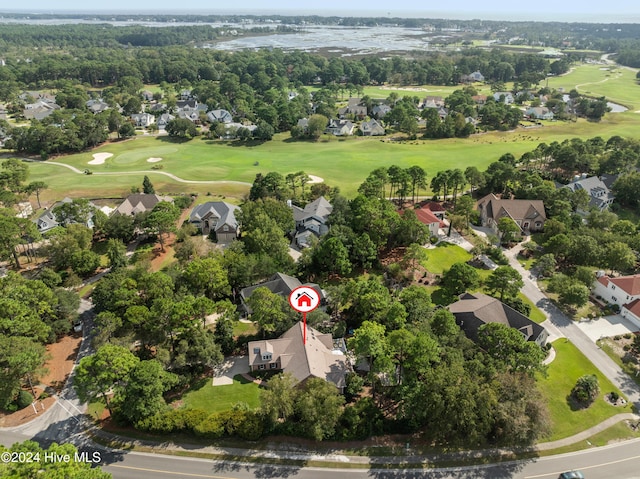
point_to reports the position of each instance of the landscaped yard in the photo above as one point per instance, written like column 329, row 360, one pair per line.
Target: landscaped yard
column 221, row 398
column 563, row 373
column 441, row 258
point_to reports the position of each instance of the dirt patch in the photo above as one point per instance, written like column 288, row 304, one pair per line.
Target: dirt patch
column 59, row 365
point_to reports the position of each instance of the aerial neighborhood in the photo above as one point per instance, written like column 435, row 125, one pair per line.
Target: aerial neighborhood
column 461, row 227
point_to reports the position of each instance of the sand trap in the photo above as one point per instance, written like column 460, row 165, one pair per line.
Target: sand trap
column 99, row 158
column 315, row 179
column 154, row 160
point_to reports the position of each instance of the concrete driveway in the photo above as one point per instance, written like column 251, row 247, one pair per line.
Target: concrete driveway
column 231, row 367
column 606, row 326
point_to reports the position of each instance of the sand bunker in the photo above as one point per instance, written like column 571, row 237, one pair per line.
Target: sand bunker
column 315, row 179
column 99, row 158
column 154, row 160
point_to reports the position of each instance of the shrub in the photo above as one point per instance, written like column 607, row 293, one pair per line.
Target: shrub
column 586, row 390
column 24, row 399
column 628, row 336
column 211, row 428
column 614, row 396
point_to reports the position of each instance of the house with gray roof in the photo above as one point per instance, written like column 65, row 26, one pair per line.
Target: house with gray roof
column 221, row 116
column 143, row 120
column 340, row 127
column 48, row 220
column 280, row 284
column 163, row 120
column 311, row 220
column 600, row 195
column 371, row 128
column 475, row 310
column 529, row 215
column 140, row 203
column 39, row 110
column 97, row 106
column 353, row 111
column 504, row 97
column 218, row 216
column 320, row 357
column 379, row 111
column 539, row 113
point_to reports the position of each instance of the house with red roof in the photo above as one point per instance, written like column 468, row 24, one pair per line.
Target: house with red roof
column 429, row 218
column 623, row 291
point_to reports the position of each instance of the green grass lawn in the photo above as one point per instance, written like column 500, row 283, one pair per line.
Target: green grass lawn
column 563, row 373
column 536, row 314
column 221, row 398
column 244, row 329
column 441, row 258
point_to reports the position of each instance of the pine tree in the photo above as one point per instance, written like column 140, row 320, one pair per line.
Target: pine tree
column 147, row 186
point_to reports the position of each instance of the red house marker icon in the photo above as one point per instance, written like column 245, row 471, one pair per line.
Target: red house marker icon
column 303, row 300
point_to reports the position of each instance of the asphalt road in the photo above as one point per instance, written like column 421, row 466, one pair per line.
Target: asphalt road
column 617, row 461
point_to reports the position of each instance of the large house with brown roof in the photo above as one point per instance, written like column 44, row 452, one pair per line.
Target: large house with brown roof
column 474, row 310
column 529, row 215
column 139, row 203
column 623, row 291
column 321, row 356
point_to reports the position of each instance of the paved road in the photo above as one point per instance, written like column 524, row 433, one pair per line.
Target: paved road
column 559, row 325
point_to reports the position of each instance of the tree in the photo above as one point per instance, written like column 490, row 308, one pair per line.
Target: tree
column 223, row 334
column 119, row 227
column 36, row 187
column 504, row 281
column 147, row 186
column 546, row 264
column 278, row 400
column 369, row 343
column 142, row 394
column 108, row 369
column 264, row 131
column 586, row 390
column 126, row 130
column 619, row 256
column 10, row 237
column 162, row 220
column 363, row 251
column 316, row 125
column 207, row 276
column 331, row 257
column 181, row 128
column 575, row 294
column 318, row 409
column 508, row 230
column 459, row 278
column 465, row 207
column 508, row 347
column 270, row 311
column 20, row 357
column 116, row 253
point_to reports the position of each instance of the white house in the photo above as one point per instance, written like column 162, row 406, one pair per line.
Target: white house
column 504, row 96
column 143, row 120
column 623, row 291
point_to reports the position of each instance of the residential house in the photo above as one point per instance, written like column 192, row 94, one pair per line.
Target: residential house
column 304, row 124
column 359, row 112
column 319, row 357
column 623, row 291
column 371, row 128
column 186, row 95
column 473, row 77
column 163, row 120
column 146, row 95
column 475, row 310
column 529, row 215
column 24, row 209
column 280, row 284
column 157, row 108
column 291, row 95
column 479, row 99
column 311, row 220
column 140, row 203
column 340, row 127
column 379, row 111
column 221, row 116
column 504, row 96
column 539, row 113
column 599, row 194
column 218, row 216
column 187, row 105
column 39, row 110
column 97, row 106
column 47, row 220
column 143, row 120
column 432, row 102
column 430, row 220
column 436, row 208
column 192, row 116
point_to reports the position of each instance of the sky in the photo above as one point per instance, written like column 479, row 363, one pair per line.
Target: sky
column 566, row 10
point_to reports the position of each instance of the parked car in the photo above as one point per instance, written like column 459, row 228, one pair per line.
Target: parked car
column 571, row 475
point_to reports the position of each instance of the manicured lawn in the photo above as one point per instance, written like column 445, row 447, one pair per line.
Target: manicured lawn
column 441, row 258
column 244, row 329
column 221, row 398
column 535, row 314
column 563, row 373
